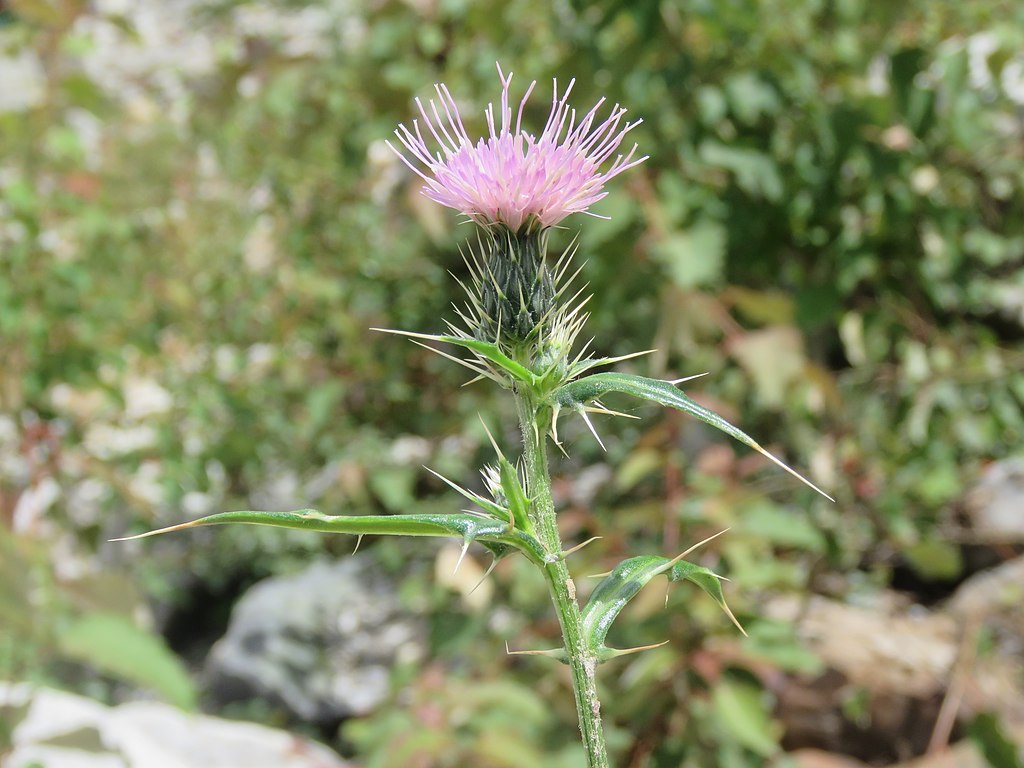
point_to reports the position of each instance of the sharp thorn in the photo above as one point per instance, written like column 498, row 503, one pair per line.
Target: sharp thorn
column 465, row 363
column 168, row 529
column 699, row 544
column 553, row 653
column 616, row 652
column 609, row 412
column 578, row 547
column 729, row 613
column 462, row 556
column 490, row 437
column 791, row 471
column 676, row 382
column 593, row 431
column 474, row 497
column 483, row 578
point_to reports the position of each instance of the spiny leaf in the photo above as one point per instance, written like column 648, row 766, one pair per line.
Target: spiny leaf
column 495, row 509
column 577, row 393
column 511, row 487
column 615, row 591
column 518, row 503
column 496, row 535
column 483, row 349
column 708, row 581
column 627, row 579
column 581, row 366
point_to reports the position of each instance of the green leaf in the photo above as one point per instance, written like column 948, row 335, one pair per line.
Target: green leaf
column 741, row 711
column 755, row 172
column 626, row 580
column 774, row 357
column 518, row 502
column 763, row 307
column 114, row 645
column 778, row 643
column 694, row 257
column 615, row 591
column 751, row 97
column 484, row 350
column 707, row 580
column 935, row 560
column 999, row 751
column 393, row 486
column 767, row 522
column 496, row 535
column 576, row 394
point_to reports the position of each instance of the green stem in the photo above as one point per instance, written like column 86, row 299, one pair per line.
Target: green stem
column 581, row 658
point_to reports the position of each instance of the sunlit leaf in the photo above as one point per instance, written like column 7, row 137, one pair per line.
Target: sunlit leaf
column 576, row 394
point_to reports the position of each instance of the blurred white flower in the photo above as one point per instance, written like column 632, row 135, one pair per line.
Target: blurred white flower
column 84, row 503
column 21, row 82
column 33, row 503
column 163, row 49
column 89, row 130
column 384, row 169
column 145, row 484
column 226, row 362
column 1013, row 80
column 259, row 251
column 924, row 179
column 106, row 441
column 82, row 404
column 195, row 503
column 410, row 449
column 979, row 48
column 260, row 358
column 248, row 85
column 145, row 398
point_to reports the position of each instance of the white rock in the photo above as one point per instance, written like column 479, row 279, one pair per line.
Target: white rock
column 63, row 730
column 996, row 504
column 320, row 643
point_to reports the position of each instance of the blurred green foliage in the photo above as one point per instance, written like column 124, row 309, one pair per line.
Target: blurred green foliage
column 199, row 224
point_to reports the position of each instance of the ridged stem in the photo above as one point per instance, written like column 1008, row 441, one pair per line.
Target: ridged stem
column 581, row 658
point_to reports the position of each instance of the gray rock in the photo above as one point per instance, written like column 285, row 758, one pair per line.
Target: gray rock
column 60, row 730
column 996, row 504
column 320, row 643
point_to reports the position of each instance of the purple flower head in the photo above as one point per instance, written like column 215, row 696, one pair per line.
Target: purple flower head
column 512, row 177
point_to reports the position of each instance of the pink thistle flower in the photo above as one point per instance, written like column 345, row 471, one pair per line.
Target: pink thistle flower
column 512, row 177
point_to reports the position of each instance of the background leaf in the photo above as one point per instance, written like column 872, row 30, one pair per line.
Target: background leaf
column 741, row 712
column 114, row 645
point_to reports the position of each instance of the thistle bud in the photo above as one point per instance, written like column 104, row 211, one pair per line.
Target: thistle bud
column 517, row 290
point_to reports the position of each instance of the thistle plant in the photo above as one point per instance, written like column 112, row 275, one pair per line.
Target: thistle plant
column 519, row 328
